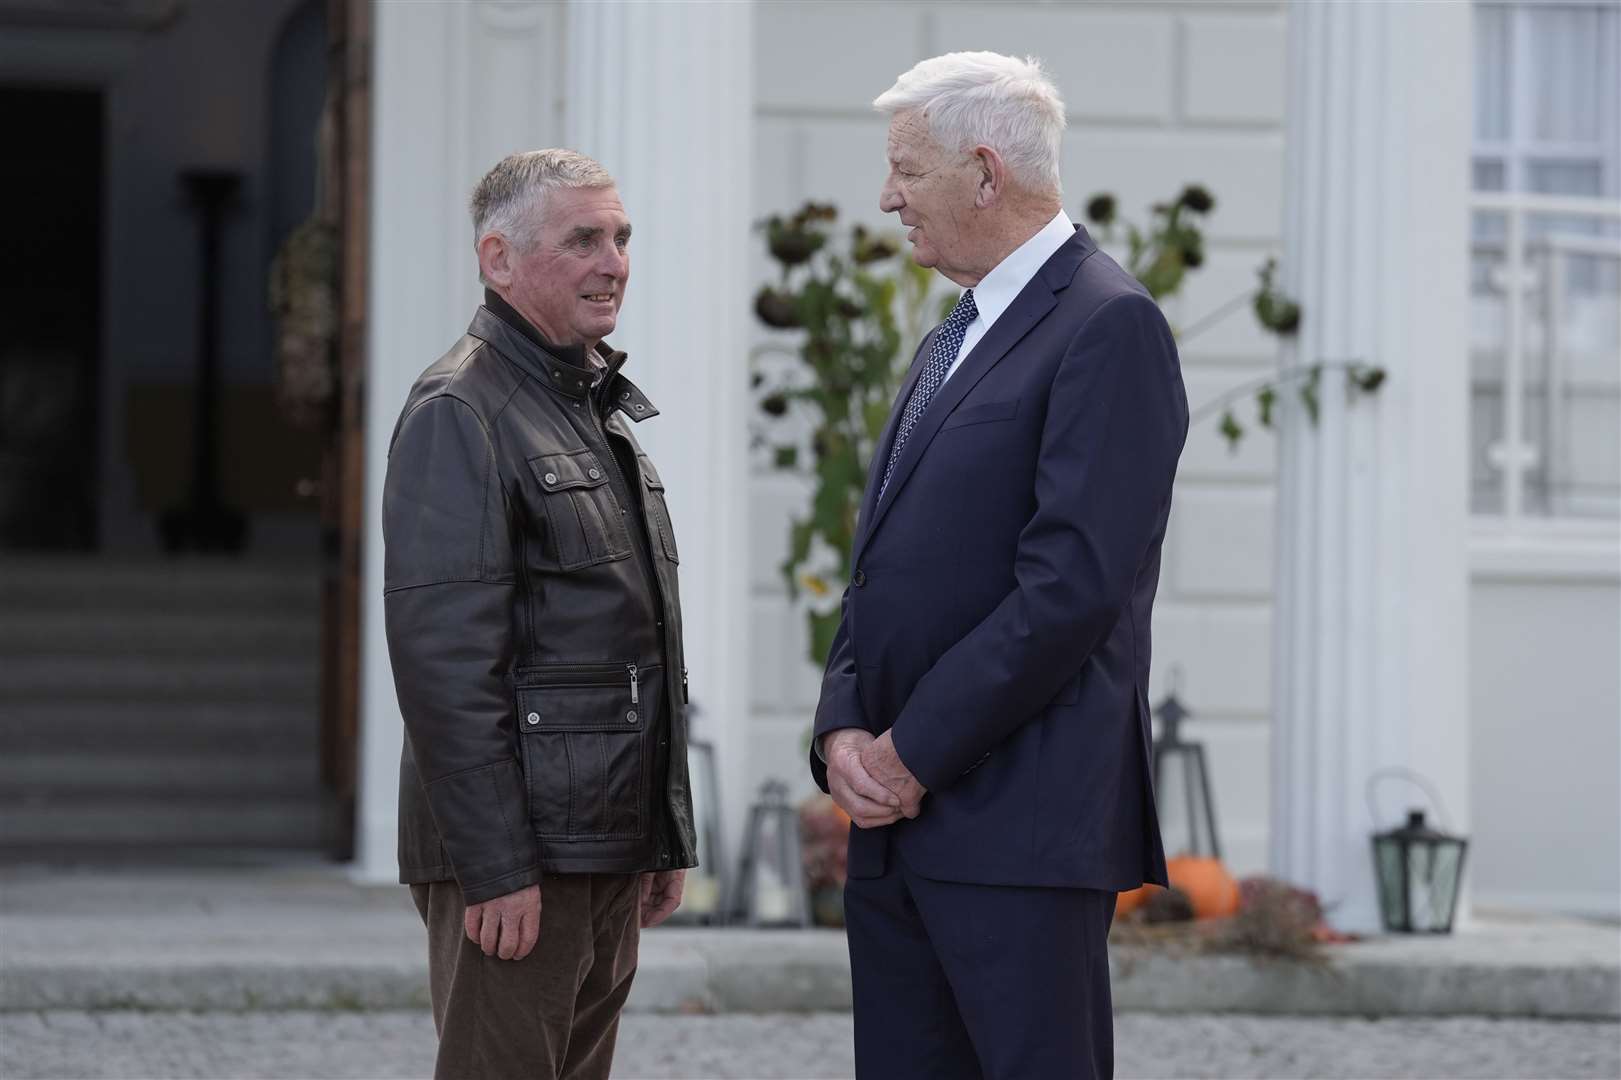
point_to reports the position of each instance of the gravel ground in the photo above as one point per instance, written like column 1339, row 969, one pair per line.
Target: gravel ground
column 400, row 1044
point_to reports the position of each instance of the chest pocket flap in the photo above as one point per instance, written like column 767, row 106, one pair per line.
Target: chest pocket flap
column 657, row 508
column 586, row 524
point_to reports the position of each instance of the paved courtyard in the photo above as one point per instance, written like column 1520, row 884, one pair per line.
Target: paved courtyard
column 400, row 1044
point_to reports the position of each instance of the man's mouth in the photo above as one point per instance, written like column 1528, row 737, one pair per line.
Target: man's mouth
column 599, row 298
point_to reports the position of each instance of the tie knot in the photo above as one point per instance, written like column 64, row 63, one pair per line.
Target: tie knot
column 965, row 312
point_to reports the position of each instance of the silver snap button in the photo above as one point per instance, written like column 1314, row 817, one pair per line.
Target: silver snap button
column 625, row 396
column 631, row 716
column 557, row 374
column 595, row 474
column 640, row 408
column 533, row 718
column 551, row 478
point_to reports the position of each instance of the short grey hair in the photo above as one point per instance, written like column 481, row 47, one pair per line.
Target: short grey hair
column 975, row 98
column 508, row 200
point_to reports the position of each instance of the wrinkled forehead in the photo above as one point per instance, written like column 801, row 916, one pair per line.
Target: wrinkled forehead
column 910, row 138
column 571, row 208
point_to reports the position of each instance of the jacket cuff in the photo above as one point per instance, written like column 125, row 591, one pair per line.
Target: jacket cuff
column 501, row 886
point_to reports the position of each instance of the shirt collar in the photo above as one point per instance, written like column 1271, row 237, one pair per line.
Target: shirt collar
column 998, row 289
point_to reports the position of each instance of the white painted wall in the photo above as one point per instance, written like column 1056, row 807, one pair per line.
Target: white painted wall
column 1545, row 745
column 1159, row 95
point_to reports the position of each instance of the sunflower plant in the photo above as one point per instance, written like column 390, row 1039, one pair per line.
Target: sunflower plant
column 844, row 301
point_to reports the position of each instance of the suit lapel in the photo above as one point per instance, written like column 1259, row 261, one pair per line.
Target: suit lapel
column 1031, row 306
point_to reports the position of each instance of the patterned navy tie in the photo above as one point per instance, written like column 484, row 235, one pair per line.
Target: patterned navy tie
column 941, row 355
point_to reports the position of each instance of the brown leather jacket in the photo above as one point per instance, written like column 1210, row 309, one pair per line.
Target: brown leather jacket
column 533, row 621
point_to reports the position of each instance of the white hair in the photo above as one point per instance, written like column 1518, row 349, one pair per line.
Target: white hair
column 984, row 98
column 509, row 198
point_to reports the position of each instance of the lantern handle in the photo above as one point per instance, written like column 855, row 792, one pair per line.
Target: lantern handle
column 1396, row 772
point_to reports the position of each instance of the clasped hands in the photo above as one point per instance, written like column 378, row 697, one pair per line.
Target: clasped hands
column 868, row 779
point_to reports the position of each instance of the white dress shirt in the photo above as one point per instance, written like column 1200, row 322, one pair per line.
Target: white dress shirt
column 997, row 290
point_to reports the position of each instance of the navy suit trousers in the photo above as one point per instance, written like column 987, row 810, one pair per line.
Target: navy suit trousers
column 954, row 980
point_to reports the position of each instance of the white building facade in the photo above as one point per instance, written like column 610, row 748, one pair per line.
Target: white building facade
column 1427, row 579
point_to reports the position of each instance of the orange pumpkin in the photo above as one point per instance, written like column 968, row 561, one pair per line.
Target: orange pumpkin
column 1207, row 884
column 1127, row 902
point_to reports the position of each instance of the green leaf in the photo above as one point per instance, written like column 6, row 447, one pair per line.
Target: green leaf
column 1265, row 399
column 785, row 457
column 1367, row 380
column 1308, row 393
column 1231, row 430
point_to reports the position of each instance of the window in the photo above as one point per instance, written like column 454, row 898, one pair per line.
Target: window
column 1545, row 335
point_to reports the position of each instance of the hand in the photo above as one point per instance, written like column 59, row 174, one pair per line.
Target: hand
column 884, row 765
column 507, row 926
column 661, row 895
column 868, row 802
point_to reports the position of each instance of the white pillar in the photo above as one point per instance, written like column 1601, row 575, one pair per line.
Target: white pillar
column 1371, row 629
column 661, row 95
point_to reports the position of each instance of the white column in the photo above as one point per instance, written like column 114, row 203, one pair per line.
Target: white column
column 1371, row 630
column 661, row 95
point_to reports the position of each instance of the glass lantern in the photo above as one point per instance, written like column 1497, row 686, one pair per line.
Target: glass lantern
column 1418, row 870
column 1182, row 785
column 771, row 878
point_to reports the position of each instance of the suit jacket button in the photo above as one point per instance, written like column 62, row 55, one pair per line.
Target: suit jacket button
column 860, row 579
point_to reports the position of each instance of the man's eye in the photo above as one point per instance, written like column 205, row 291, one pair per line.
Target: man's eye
column 622, row 241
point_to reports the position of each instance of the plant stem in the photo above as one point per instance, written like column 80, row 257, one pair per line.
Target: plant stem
column 1275, row 378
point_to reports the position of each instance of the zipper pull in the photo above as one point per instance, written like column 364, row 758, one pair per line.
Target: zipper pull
column 635, row 690
column 684, row 698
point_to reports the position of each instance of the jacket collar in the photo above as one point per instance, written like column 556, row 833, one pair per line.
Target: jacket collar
column 561, row 369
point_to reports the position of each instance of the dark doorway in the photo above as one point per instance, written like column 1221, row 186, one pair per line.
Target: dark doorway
column 50, row 318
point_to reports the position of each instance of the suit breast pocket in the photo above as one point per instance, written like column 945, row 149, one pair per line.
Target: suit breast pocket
column 986, row 412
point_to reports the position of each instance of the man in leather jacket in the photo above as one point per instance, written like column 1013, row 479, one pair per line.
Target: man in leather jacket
column 534, row 626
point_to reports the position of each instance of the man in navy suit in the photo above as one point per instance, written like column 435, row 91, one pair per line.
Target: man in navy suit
column 983, row 717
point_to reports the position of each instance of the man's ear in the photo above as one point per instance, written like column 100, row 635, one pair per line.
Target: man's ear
column 495, row 259
column 991, row 177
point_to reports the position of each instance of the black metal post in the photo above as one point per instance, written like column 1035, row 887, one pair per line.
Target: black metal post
column 204, row 522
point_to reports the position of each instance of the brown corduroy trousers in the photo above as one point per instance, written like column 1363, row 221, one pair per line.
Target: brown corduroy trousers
column 553, row 1015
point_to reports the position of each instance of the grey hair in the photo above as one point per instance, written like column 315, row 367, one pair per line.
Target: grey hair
column 507, row 201
column 985, row 98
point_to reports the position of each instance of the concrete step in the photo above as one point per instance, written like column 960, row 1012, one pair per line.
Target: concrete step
column 304, row 937
column 50, row 830
column 113, row 678
column 192, row 584
column 200, row 725
column 69, row 775
column 187, row 635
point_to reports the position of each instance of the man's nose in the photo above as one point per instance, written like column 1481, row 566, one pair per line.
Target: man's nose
column 613, row 262
column 889, row 198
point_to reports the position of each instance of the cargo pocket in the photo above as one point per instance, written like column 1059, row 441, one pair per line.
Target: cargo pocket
column 580, row 730
column 657, row 508
column 585, row 524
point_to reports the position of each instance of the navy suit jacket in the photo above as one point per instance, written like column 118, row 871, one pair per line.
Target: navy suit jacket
column 997, row 619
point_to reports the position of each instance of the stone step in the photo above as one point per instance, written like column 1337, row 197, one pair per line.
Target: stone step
column 73, row 774
column 167, row 679
column 198, row 725
column 192, row 584
column 188, row 635
column 33, row 830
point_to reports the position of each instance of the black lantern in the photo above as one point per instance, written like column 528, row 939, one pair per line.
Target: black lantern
column 1419, row 870
column 771, row 878
column 1182, row 783
column 704, row 895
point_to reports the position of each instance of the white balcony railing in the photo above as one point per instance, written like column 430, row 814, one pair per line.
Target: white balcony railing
column 1545, row 361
